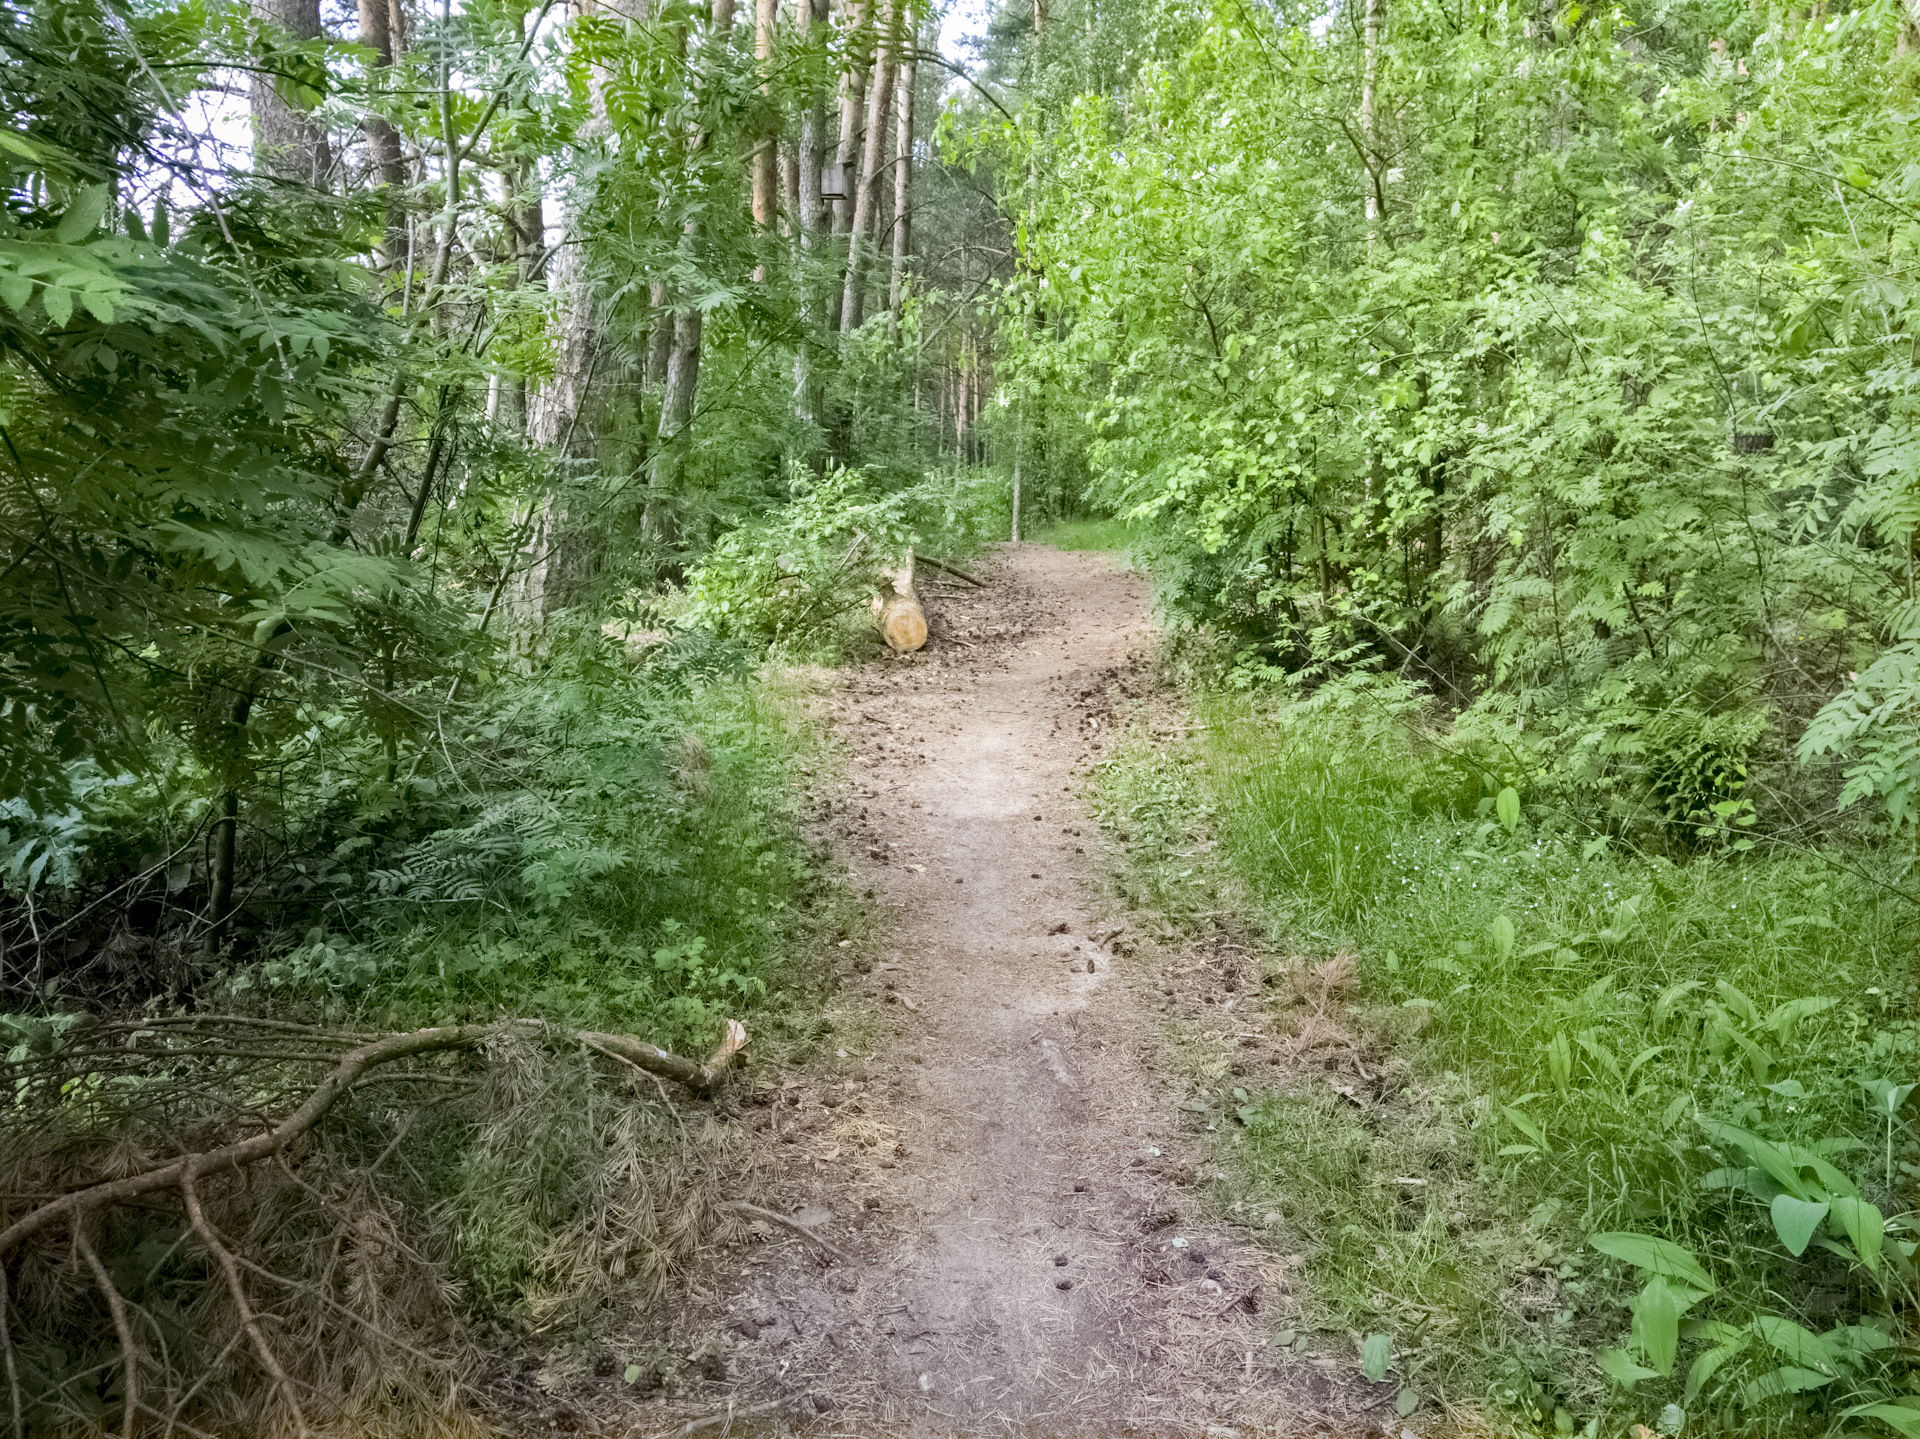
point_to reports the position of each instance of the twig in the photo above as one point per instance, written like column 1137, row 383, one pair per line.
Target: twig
column 798, row 1228
column 953, row 570
column 129, row 1354
column 6, row 1348
column 729, row 1414
column 238, row 1292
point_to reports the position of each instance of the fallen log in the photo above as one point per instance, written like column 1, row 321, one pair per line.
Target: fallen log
column 896, row 607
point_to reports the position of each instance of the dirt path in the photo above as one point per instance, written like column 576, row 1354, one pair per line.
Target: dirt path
column 1006, row 1179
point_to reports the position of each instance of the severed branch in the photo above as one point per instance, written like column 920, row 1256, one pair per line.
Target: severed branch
column 76, row 1209
column 700, row 1078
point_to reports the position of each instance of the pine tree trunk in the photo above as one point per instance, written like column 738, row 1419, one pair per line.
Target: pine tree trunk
column 286, row 141
column 872, row 172
column 853, row 98
column 766, row 173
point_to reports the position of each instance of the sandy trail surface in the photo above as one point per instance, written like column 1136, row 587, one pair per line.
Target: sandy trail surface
column 1019, row 1243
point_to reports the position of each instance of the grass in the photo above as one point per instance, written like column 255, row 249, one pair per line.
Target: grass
column 1546, row 1026
column 1085, row 534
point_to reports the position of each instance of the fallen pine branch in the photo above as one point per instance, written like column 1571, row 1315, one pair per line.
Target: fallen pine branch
column 78, row 1209
column 75, row 1205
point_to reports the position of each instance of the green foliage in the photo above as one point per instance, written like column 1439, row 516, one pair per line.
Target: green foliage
column 794, row 577
column 1576, row 384
column 1647, row 1101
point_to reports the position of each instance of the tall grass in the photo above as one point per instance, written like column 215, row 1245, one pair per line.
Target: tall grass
column 1557, row 1016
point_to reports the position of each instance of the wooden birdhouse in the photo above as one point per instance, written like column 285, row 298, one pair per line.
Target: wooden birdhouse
column 833, row 182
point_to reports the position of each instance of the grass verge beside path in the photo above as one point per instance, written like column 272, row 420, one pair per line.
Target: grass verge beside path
column 1501, row 1040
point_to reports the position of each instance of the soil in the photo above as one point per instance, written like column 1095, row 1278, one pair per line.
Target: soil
column 1005, row 1189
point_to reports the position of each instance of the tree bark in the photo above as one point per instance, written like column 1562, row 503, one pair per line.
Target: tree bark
column 872, row 171
column 766, row 174
column 286, row 141
column 809, row 215
column 1369, row 69
column 383, row 141
column 903, row 174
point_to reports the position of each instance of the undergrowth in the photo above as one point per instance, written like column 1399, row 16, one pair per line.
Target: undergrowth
column 1602, row 1136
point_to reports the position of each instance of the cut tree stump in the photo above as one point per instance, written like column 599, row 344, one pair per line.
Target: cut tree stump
column 903, row 624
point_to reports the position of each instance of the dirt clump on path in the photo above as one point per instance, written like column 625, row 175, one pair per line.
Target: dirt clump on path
column 988, row 1226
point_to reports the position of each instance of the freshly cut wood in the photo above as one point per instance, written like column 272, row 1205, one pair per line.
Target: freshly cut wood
column 903, row 624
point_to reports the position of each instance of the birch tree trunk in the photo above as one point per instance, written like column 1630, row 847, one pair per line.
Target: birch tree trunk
column 286, row 141
column 809, row 216
column 872, row 171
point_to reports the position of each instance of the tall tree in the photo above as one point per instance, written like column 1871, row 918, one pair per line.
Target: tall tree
column 287, row 142
column 903, row 168
column 872, row 171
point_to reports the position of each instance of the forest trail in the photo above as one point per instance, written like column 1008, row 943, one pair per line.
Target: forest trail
column 1026, row 1254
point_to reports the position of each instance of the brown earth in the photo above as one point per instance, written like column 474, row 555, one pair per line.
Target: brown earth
column 1016, row 1240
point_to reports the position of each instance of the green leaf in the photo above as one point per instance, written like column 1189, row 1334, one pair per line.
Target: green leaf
column 1507, row 807
column 1656, row 1256
column 1376, row 1355
column 1787, row 1379
column 1527, row 1127
column 1901, row 1415
column 1656, row 1323
column 1786, row 1016
column 1795, row 1220
column 1502, row 934
column 1864, row 1226
column 58, row 304
column 1560, row 1063
column 1706, row 1366
column 82, row 216
column 1801, row 1346
column 1618, row 1366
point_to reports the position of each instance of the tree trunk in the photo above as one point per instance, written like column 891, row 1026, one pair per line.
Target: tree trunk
column 809, row 217
column 903, row 177
column 896, row 608
column 872, row 172
column 853, row 94
column 1369, row 68
column 383, row 141
column 766, row 174
column 286, row 141
column 1018, row 425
